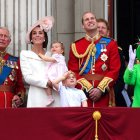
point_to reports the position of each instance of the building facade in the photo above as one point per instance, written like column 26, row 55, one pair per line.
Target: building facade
column 19, row 15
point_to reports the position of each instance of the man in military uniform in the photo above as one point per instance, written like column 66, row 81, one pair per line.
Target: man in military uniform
column 119, row 85
column 96, row 62
column 12, row 89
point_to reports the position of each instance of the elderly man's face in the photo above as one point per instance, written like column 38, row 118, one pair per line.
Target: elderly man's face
column 4, row 39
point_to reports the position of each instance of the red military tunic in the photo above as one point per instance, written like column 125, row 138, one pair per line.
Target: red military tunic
column 105, row 62
column 11, row 82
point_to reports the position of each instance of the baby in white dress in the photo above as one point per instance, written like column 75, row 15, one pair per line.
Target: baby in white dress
column 56, row 67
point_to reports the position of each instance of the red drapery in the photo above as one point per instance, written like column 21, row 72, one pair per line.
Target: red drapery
column 69, row 124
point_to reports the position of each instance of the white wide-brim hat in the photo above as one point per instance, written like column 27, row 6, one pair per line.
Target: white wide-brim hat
column 45, row 24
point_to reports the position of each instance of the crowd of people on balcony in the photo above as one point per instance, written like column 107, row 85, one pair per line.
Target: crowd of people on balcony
column 96, row 74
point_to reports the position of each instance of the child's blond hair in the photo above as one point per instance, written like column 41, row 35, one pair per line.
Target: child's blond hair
column 61, row 44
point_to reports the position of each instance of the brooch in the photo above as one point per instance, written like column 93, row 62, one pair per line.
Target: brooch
column 104, row 57
column 104, row 67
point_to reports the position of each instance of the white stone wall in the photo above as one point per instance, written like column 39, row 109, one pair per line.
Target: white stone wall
column 18, row 16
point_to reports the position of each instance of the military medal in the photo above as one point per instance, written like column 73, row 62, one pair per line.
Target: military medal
column 15, row 65
column 2, row 62
column 11, row 64
column 12, row 75
column 104, row 57
column 105, row 49
column 104, row 67
column 93, row 63
column 103, row 46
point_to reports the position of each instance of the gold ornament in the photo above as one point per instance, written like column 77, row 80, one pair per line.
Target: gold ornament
column 74, row 50
column 2, row 62
column 91, row 51
column 2, row 54
column 96, row 116
column 104, row 67
column 104, row 57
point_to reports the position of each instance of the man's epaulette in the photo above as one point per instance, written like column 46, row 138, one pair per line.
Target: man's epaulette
column 120, row 48
column 108, row 37
column 13, row 58
column 111, row 38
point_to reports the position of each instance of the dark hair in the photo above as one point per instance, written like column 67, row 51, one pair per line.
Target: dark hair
column 46, row 40
column 45, row 43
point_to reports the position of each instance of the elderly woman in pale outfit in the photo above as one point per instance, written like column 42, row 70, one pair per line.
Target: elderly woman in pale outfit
column 33, row 67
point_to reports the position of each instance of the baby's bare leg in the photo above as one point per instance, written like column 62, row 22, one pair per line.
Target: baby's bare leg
column 48, row 91
column 50, row 97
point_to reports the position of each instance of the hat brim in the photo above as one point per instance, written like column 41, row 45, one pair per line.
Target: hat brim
column 48, row 21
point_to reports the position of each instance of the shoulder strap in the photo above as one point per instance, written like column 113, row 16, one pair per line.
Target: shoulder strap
column 99, row 45
column 103, row 41
column 7, row 69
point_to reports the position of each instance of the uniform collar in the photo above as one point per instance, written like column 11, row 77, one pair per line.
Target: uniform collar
column 2, row 53
column 96, row 37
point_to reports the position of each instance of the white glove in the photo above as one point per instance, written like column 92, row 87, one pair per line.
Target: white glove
column 132, row 56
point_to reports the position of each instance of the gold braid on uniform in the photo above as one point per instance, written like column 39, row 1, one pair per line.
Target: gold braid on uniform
column 104, row 83
column 91, row 49
column 85, row 84
column 2, row 61
column 80, row 55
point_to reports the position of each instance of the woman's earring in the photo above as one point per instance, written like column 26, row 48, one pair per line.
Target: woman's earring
column 31, row 40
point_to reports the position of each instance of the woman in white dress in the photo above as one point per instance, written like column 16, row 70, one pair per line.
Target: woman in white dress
column 33, row 67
